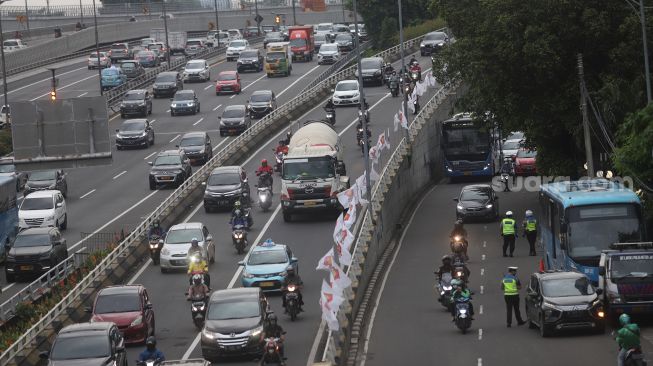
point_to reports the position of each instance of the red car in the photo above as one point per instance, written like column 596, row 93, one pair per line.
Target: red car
column 129, row 307
column 525, row 162
column 228, row 82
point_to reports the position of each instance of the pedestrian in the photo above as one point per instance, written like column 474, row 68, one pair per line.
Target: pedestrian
column 508, row 233
column 510, row 285
column 530, row 231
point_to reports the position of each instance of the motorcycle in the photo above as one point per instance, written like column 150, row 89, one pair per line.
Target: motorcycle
column 387, row 72
column 264, row 198
column 460, row 273
column 415, row 72
column 394, row 87
column 155, row 248
column 271, row 352
column 239, row 238
column 463, row 316
column 278, row 157
column 331, row 116
column 156, row 362
column 444, row 290
column 458, row 246
column 198, row 311
column 292, row 301
column 635, row 357
column 360, row 139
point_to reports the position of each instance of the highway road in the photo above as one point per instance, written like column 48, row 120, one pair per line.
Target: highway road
column 411, row 327
column 115, row 197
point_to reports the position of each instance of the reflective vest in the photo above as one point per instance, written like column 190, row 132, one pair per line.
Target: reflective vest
column 510, row 286
column 531, row 224
column 508, row 226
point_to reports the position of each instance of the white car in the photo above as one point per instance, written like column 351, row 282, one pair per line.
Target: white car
column 510, row 148
column 43, row 209
column 346, row 92
column 329, row 54
column 235, row 48
column 234, row 34
column 197, row 70
column 177, row 242
column 105, row 60
column 147, row 41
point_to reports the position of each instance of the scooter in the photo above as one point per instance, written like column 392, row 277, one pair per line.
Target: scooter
column 459, row 273
column 198, row 311
column 156, row 243
column 444, row 288
column 463, row 317
column 635, row 357
column 360, row 140
column 239, row 238
column 331, row 116
column 292, row 301
column 156, row 362
column 271, row 352
column 394, row 87
column 278, row 157
column 264, row 198
column 458, row 246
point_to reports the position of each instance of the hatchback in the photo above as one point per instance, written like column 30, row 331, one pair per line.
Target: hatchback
column 148, row 59
column 112, row 77
column 197, row 146
column 525, row 162
column 127, row 306
column 346, row 93
column 477, row 201
column 132, row 68
column 228, row 82
column 177, row 242
column 133, row 133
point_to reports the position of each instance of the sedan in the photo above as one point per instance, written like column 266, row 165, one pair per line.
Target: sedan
column 234, row 120
column 266, row 266
column 433, row 42
column 174, row 252
column 184, row 101
column 477, row 201
column 105, row 60
column 112, row 77
column 135, row 132
column 228, row 82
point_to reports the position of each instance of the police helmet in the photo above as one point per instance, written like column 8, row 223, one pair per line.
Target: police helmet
column 151, row 343
column 509, row 213
column 529, row 213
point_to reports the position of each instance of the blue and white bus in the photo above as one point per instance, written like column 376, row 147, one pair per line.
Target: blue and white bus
column 468, row 147
column 579, row 219
column 8, row 213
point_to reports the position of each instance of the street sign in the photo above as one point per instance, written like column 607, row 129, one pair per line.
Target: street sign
column 61, row 133
column 258, row 18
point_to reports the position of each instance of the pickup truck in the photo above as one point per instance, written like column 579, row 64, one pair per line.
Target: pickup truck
column 13, row 45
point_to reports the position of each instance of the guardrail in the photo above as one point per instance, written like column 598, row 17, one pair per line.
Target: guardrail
column 272, row 121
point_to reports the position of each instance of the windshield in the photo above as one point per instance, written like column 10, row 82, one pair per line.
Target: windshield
column 183, row 236
column 193, row 43
column 144, row 56
column 117, row 303
column 320, row 37
column 297, row 42
column 329, row 47
column 223, row 77
column 249, row 54
column 343, row 37
column 347, row 86
column 464, row 142
column 183, row 96
column 168, row 160
column 275, row 56
column 37, row 203
column 224, row 179
column 194, row 65
column 134, row 96
column 235, row 309
column 311, row 168
column 370, row 64
column 82, row 347
column 47, row 175
column 512, row 145
column 593, row 228
column 260, row 98
column 155, row 46
column 33, row 240
column 273, row 35
column 11, row 43
column 233, row 113
column 565, row 287
column 636, row 265
column 165, row 79
column 237, row 44
column 132, row 126
column 268, row 257
column 192, row 141
column 94, row 55
column 526, row 153
column 474, row 194
column 435, row 37
column 7, row 168
column 128, row 65
column 324, row 27
column 118, row 47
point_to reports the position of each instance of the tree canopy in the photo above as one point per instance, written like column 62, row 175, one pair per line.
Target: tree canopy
column 382, row 17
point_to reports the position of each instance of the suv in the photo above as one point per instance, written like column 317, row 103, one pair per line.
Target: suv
column 234, row 120
column 138, row 102
column 225, row 185
column 185, row 101
column 197, row 70
column 261, row 103
column 43, row 209
column 169, row 167
column 197, row 146
column 47, row 179
column 132, row 68
column 135, row 132
column 433, row 42
column 35, row 251
column 557, row 300
column 477, row 201
column 88, row 344
column 194, row 46
column 372, row 68
column 120, row 51
column 234, row 323
column 167, row 83
column 250, row 59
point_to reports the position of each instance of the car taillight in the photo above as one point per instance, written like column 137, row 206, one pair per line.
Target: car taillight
column 289, row 195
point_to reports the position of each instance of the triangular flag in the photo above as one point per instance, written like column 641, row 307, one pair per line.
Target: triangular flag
column 402, row 117
column 361, row 183
column 330, row 299
column 326, row 262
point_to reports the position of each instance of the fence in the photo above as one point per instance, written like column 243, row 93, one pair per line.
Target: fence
column 237, row 147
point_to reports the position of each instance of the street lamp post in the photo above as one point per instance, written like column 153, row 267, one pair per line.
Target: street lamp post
column 258, row 23
column 217, row 28
column 294, row 16
column 97, row 48
column 29, row 33
column 81, row 13
column 165, row 28
column 403, row 66
column 4, row 68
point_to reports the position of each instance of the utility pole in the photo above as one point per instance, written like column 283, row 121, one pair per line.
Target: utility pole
column 4, row 68
column 165, row 27
column 81, row 14
column 97, row 49
column 294, row 16
column 647, row 73
column 586, row 124
column 403, row 67
column 53, row 91
column 29, row 33
column 217, row 27
column 258, row 22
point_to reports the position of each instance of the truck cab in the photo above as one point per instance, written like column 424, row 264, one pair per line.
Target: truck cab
column 278, row 59
column 626, row 278
column 302, row 43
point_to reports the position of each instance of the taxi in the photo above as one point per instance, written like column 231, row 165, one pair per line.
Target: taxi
column 266, row 266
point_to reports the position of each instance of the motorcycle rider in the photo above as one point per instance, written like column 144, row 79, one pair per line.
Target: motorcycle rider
column 627, row 338
column 508, row 168
column 198, row 266
column 151, row 352
column 156, row 229
column 238, row 207
column 198, row 290
column 282, row 148
column 460, row 292
column 273, row 330
column 412, row 61
column 329, row 105
column 458, row 262
column 195, row 248
column 265, row 168
column 286, row 141
column 459, row 230
column 238, row 218
column 293, row 278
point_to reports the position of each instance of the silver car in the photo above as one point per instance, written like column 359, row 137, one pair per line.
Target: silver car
column 105, row 60
column 174, row 253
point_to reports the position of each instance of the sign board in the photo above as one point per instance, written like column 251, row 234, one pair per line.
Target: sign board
column 64, row 133
column 258, row 18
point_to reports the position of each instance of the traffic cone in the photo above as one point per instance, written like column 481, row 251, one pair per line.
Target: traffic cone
column 541, row 265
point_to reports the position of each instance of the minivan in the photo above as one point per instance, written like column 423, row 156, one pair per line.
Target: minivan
column 167, row 83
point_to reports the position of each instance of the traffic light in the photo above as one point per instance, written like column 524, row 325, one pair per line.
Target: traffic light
column 53, row 95
column 277, row 19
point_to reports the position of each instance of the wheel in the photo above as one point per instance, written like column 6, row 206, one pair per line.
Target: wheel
column 531, row 325
column 544, row 331
column 152, row 186
column 207, row 209
column 221, row 133
column 164, row 270
column 293, row 316
column 122, row 115
column 64, row 224
column 11, row 278
column 217, row 93
column 287, row 217
column 172, row 113
column 89, row 67
column 212, row 259
column 150, row 110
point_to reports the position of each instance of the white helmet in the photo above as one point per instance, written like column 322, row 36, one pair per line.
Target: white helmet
column 529, row 213
column 509, row 213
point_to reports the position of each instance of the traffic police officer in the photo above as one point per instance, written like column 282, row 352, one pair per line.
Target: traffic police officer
column 510, row 285
column 530, row 231
column 508, row 233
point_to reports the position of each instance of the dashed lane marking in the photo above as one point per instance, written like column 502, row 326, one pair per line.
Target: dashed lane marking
column 88, row 193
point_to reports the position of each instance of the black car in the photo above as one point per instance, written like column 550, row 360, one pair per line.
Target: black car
column 261, row 103
column 169, row 167
column 234, row 120
column 250, row 59
column 225, row 185
column 132, row 68
column 433, row 42
column 148, row 58
column 560, row 300
column 272, row 37
column 345, row 41
column 320, row 39
column 167, row 83
column 136, row 102
column 8, row 169
column 477, row 201
column 234, row 322
column 372, row 70
column 47, row 179
column 184, row 101
column 87, row 344
column 197, row 146
column 35, row 251
column 135, row 132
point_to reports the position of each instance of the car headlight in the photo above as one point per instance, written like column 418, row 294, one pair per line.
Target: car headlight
column 122, row 104
column 460, row 207
column 52, row 186
column 144, row 134
column 488, row 206
column 247, row 275
column 142, row 104
column 222, row 123
column 208, row 334
column 283, row 274
column 137, row 321
column 191, row 104
column 441, row 44
column 49, row 218
column 165, row 251
column 173, row 105
column 421, row 44
column 256, row 332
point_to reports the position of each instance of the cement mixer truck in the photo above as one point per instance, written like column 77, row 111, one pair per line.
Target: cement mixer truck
column 313, row 172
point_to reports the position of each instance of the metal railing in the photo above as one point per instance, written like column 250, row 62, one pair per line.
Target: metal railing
column 272, row 121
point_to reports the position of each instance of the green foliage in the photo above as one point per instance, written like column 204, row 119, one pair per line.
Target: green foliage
column 5, row 142
column 635, row 141
column 520, row 62
column 382, row 18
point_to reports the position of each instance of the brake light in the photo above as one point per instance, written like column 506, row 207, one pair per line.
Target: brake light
column 327, row 191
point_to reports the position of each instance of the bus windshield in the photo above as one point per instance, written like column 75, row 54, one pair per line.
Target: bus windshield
column 593, row 228
column 466, row 143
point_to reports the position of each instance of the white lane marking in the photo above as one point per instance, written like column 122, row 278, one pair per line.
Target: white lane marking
column 232, row 97
column 117, row 176
column 483, row 257
column 114, row 117
column 218, row 106
column 480, row 362
column 40, row 81
column 296, row 81
column 386, row 275
column 480, row 334
column 356, row 120
column 482, row 288
column 190, row 349
column 64, row 87
column 198, row 121
column 208, row 86
column 152, row 121
column 8, row 287
column 174, row 138
column 89, row 192
column 140, row 272
column 485, row 227
column 255, row 81
column 116, row 218
column 482, row 271
column 480, row 309
column 168, row 111
column 484, row 243
column 81, row 95
column 149, row 156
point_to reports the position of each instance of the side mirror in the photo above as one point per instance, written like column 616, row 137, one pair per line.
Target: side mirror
column 209, row 237
column 117, row 130
column 241, row 263
column 204, row 183
column 59, row 204
column 294, row 260
column 599, row 291
column 176, row 145
column 44, row 355
column 455, row 199
column 601, row 271
column 120, row 348
column 148, row 306
column 333, row 90
column 161, row 241
column 150, row 163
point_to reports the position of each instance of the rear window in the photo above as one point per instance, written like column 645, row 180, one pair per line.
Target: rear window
column 223, row 77
column 193, row 43
column 117, row 303
column 118, row 47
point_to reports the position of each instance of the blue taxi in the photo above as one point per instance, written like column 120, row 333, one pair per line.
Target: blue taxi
column 112, row 77
column 266, row 266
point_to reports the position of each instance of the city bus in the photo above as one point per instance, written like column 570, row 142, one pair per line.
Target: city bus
column 8, row 213
column 468, row 147
column 579, row 219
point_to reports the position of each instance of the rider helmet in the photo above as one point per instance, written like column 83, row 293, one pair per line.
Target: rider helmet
column 194, row 242
column 446, row 258
column 264, row 162
column 290, row 271
column 155, row 223
column 509, row 214
column 150, row 343
column 197, row 279
column 624, row 319
column 237, row 213
column 272, row 319
column 456, row 282
column 237, row 204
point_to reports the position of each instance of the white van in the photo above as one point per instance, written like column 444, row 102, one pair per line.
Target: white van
column 43, row 209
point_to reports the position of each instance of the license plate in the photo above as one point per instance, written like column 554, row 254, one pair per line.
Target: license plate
column 467, row 173
column 233, row 130
column 166, row 178
column 26, row 268
column 267, row 284
column 309, row 203
column 224, row 202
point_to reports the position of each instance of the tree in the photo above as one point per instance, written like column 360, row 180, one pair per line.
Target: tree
column 519, row 60
column 381, row 15
column 635, row 140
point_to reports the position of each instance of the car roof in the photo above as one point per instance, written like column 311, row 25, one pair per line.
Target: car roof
column 134, row 120
column 168, row 73
column 185, row 91
column 262, row 92
column 194, row 134
column 44, row 193
column 550, row 275
column 244, row 293
column 377, row 59
column 262, row 247
column 249, row 50
column 476, row 186
column 348, row 82
column 187, row 225
column 227, row 169
column 121, row 289
column 196, row 61
column 234, row 107
column 86, row 327
column 169, row 152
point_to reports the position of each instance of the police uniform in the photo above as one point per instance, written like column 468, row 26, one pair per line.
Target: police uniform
column 508, row 233
column 510, row 285
column 530, row 231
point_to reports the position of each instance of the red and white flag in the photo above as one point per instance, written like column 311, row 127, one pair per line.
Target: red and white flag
column 331, row 319
column 330, row 299
column 382, row 142
column 430, row 79
column 326, row 262
column 374, row 175
column 349, row 196
column 343, row 240
column 374, row 154
column 420, row 88
column 339, row 280
column 411, row 103
column 361, row 184
column 400, row 119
